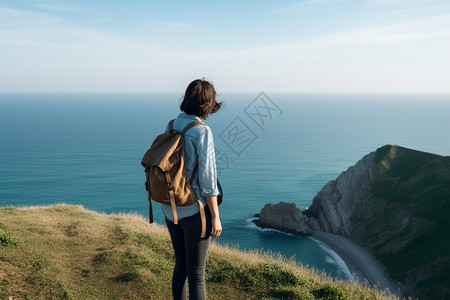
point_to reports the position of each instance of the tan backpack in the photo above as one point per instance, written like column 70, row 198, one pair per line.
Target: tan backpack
column 167, row 181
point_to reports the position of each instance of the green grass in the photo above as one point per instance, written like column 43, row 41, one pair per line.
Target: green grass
column 68, row 252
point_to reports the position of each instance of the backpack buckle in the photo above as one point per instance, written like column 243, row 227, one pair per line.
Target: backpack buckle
column 170, row 185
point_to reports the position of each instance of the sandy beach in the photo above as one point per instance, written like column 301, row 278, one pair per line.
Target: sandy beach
column 358, row 259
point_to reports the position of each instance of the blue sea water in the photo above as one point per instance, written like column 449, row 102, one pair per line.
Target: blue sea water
column 86, row 149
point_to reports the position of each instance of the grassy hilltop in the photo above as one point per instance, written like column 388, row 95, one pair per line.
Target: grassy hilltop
column 410, row 232
column 68, row 252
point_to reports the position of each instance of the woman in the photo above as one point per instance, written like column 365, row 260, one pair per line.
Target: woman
column 190, row 249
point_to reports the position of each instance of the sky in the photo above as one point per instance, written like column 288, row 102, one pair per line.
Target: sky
column 352, row 46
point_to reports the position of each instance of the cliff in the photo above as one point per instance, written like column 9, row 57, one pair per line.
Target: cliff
column 396, row 202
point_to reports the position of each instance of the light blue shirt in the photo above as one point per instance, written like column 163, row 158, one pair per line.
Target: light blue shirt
column 198, row 147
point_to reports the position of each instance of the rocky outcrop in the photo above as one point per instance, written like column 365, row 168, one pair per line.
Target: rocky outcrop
column 395, row 202
column 285, row 217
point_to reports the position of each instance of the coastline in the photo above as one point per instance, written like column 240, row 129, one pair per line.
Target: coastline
column 358, row 260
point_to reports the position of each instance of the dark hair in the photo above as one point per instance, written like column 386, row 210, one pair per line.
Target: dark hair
column 200, row 99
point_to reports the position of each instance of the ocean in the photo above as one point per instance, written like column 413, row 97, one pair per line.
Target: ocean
column 86, row 149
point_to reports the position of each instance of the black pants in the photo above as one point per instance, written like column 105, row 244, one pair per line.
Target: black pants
column 191, row 252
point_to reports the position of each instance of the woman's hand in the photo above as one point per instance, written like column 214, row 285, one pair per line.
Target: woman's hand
column 216, row 226
column 215, row 219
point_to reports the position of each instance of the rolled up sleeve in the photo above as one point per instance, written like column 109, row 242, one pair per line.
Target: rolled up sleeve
column 206, row 172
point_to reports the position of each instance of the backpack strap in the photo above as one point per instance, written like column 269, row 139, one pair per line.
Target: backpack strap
column 203, row 218
column 150, row 212
column 171, row 124
column 147, row 184
column 190, row 125
column 171, row 197
column 185, row 129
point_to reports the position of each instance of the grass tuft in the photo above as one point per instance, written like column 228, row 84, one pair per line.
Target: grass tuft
column 8, row 240
column 330, row 292
column 127, row 276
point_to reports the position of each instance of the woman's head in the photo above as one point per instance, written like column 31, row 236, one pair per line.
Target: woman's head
column 200, row 99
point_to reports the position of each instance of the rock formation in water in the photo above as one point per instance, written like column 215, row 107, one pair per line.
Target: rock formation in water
column 396, row 202
column 285, row 217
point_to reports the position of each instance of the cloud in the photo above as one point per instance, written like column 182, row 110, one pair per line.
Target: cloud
column 405, row 35
column 34, row 33
column 15, row 19
column 301, row 6
column 61, row 7
column 408, row 8
column 407, row 32
column 41, row 52
column 403, row 2
column 175, row 25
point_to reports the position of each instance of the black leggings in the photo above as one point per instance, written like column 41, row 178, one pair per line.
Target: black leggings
column 191, row 252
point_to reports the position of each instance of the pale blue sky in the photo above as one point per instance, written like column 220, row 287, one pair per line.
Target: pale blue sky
column 282, row 46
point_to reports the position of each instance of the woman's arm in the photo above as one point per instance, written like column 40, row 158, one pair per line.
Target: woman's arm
column 215, row 218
